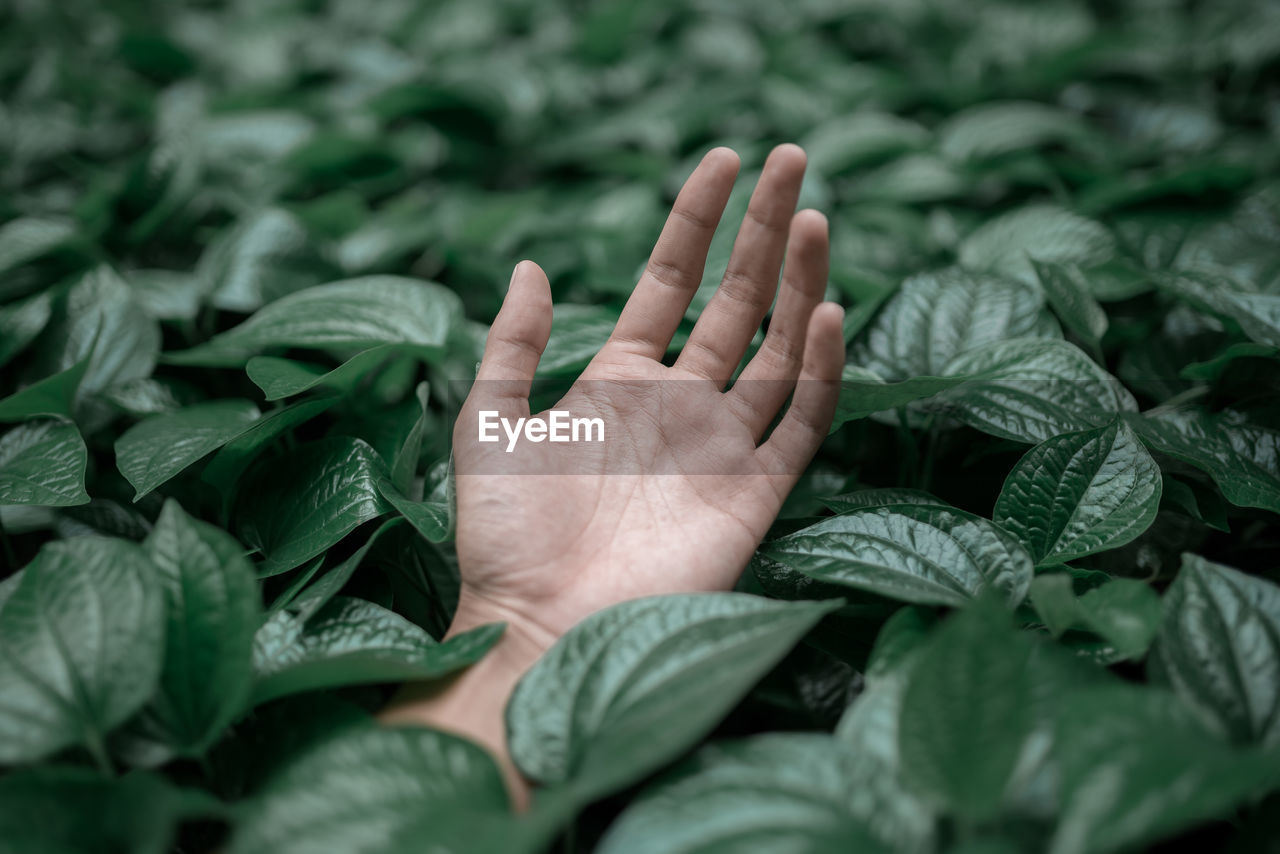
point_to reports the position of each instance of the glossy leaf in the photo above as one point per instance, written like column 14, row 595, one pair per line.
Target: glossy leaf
column 103, row 322
column 43, row 463
column 432, row 518
column 1220, row 648
column 1080, row 493
column 213, row 609
column 233, row 458
column 935, row 317
column 1150, row 772
column 1242, row 458
column 354, row 313
column 793, row 792
column 629, row 666
column 1008, row 244
column 928, row 554
column 1030, row 390
column 374, row 789
column 280, row 378
column 297, row 505
column 1067, row 290
column 52, row 396
column 350, row 641
column 82, row 636
column 159, row 448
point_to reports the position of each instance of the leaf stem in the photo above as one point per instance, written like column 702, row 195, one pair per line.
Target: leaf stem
column 98, row 750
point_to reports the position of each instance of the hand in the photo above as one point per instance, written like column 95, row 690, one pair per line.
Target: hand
column 683, row 489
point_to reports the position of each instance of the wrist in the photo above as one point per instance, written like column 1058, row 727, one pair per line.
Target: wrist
column 523, row 640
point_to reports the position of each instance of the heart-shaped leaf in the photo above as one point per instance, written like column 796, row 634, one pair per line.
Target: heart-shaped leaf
column 1220, row 647
column 928, row 554
column 628, row 667
column 212, row 603
column 82, row 639
column 1080, row 493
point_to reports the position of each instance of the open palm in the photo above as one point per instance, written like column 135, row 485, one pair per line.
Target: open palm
column 685, row 484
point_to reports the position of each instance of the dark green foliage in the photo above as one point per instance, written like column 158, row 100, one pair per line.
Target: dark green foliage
column 248, row 252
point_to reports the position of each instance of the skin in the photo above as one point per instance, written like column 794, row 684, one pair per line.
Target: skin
column 683, row 492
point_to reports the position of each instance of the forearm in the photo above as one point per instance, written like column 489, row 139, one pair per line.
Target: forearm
column 473, row 703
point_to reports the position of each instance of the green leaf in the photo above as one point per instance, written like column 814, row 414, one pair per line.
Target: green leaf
column 912, row 179
column 233, row 458
column 21, row 322
column 1030, row 390
column 213, row 611
column 989, row 130
column 280, row 378
column 1200, row 502
column 52, row 396
column 793, row 792
column 297, row 505
column 103, row 321
column 303, row 603
column 577, row 334
column 847, row 142
column 1067, row 289
column 82, row 637
column 377, row 789
column 1210, row 370
column 928, row 554
column 353, row 313
column 1055, row 602
column 1219, row 646
column 632, row 686
column 1009, row 243
column 353, row 642
column 264, row 257
column 404, row 467
column 1124, row 612
column 935, row 317
column 69, row 810
column 1257, row 315
column 43, row 463
column 153, row 451
column 28, row 238
column 862, row 393
column 1242, row 458
column 1080, row 493
column 878, row 497
column 432, row 518
column 966, row 713
column 1150, row 772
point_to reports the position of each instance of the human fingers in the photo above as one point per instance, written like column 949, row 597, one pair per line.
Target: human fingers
column 771, row 374
column 652, row 314
column 731, row 318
